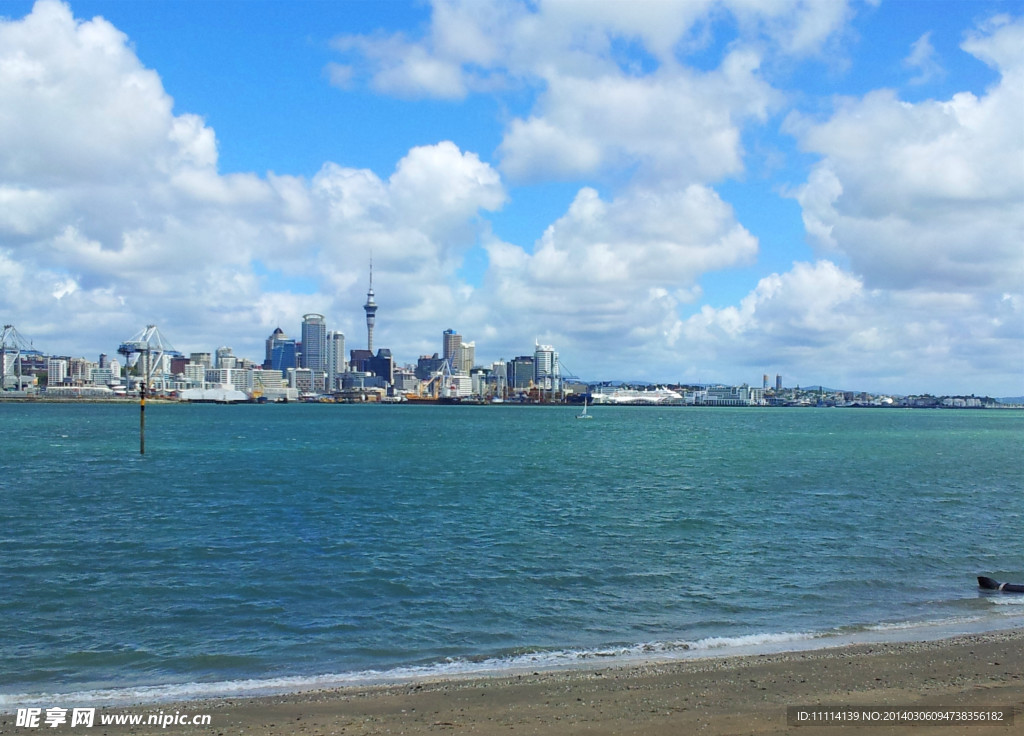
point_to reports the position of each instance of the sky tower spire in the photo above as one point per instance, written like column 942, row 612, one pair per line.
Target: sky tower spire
column 371, row 311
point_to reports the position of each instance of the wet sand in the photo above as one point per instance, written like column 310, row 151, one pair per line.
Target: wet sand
column 733, row 695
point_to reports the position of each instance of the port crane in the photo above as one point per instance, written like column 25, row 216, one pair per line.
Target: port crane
column 151, row 347
column 12, row 347
column 440, row 384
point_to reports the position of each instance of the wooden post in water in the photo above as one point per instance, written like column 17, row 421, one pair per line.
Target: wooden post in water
column 142, row 418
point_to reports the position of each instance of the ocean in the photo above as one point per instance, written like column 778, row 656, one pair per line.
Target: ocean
column 272, row 548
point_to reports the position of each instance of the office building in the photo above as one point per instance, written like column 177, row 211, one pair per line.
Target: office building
column 282, row 352
column 519, row 372
column 336, row 362
column 56, row 371
column 314, row 343
column 381, row 365
column 275, row 339
column 428, row 365
column 225, row 358
column 103, row 376
column 546, row 375
column 301, row 379
column 467, row 357
column 452, row 349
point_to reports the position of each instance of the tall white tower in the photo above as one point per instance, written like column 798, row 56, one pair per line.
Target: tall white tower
column 371, row 312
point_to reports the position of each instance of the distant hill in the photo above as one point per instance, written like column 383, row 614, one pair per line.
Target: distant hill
column 1010, row 399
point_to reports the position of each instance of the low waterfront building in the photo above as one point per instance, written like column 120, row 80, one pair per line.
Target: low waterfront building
column 743, row 395
column 103, row 377
column 301, row 379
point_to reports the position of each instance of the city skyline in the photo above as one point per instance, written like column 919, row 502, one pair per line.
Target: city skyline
column 700, row 191
column 538, row 375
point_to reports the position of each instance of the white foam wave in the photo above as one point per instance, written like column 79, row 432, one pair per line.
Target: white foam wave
column 528, row 661
column 451, row 668
column 898, row 626
column 1009, row 600
column 751, row 640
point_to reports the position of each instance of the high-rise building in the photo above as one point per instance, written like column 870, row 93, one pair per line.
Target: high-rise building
column 336, row 363
column 226, row 358
column 382, row 365
column 545, row 368
column 56, row 371
column 778, row 381
column 428, row 365
column 275, row 339
column 519, row 372
column 452, row 343
column 371, row 313
column 314, row 343
column 467, row 357
column 282, row 352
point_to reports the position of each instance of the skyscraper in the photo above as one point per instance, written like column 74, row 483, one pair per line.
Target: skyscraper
column 546, row 375
column 467, row 356
column 335, row 358
column 314, row 343
column 371, row 312
column 275, row 339
column 452, row 343
column 519, row 372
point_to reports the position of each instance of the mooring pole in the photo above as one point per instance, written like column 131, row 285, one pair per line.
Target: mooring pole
column 142, row 418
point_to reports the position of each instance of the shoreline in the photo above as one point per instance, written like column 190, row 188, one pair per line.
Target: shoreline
column 715, row 695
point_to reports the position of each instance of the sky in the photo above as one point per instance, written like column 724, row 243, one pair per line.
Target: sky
column 702, row 191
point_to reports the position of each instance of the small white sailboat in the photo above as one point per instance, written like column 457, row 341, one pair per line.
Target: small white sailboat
column 583, row 414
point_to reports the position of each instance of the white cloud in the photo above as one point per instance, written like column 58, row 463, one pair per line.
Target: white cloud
column 438, row 188
column 924, row 60
column 78, row 86
column 616, row 269
column 124, row 219
column 924, row 195
column 676, row 126
column 818, row 321
column 796, row 27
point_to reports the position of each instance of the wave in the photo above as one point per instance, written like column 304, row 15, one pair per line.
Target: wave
column 524, row 661
column 511, row 663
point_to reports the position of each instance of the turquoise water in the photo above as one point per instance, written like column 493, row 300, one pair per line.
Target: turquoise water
column 292, row 545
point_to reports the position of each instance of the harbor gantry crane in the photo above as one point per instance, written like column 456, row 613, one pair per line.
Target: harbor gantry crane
column 152, row 347
column 12, row 347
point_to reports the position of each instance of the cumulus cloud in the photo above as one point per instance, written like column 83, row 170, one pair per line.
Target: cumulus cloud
column 587, row 125
column 924, row 195
column 596, row 109
column 819, row 320
column 617, row 268
column 914, row 209
column 123, row 219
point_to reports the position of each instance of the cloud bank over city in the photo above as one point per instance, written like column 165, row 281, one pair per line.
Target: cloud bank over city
column 692, row 192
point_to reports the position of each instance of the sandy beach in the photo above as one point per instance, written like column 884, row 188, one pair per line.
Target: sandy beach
column 734, row 695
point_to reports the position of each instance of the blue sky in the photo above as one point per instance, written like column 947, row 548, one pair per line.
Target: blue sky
column 697, row 191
